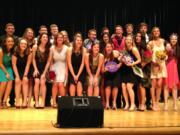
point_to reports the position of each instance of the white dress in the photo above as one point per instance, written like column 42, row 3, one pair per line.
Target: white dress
column 59, row 63
column 162, row 71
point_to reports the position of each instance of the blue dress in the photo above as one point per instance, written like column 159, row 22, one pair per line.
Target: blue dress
column 7, row 63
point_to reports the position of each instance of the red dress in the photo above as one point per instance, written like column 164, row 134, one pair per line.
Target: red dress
column 172, row 71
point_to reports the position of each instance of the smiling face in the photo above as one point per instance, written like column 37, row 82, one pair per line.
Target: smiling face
column 143, row 29
column 129, row 29
column 44, row 39
column 10, row 30
column 108, row 48
column 9, row 42
column 138, row 38
column 60, row 39
column 119, row 30
column 129, row 42
column 173, row 39
column 95, row 48
column 54, row 30
column 78, row 42
column 92, row 35
column 156, row 32
column 23, row 45
column 106, row 38
column 29, row 34
column 43, row 30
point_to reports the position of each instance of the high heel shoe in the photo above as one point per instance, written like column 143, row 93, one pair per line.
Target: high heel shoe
column 54, row 105
column 126, row 108
column 175, row 108
column 142, row 108
column 4, row 105
column 165, row 108
column 1, row 106
column 132, row 109
column 107, row 107
column 36, row 106
column 114, row 108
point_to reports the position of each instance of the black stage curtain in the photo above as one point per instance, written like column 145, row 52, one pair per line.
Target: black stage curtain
column 73, row 17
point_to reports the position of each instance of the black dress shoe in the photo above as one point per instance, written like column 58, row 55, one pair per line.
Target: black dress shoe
column 12, row 105
column 48, row 104
column 149, row 107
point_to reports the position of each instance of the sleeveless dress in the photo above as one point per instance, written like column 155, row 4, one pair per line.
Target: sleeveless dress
column 127, row 74
column 41, row 60
column 93, row 67
column 21, row 65
column 172, row 71
column 59, row 63
column 112, row 79
column 7, row 63
column 161, row 72
column 76, row 60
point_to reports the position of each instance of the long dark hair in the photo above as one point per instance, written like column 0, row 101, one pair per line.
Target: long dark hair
column 143, row 42
column 91, row 52
column 30, row 43
column 48, row 44
column 74, row 45
column 4, row 46
column 111, row 56
column 177, row 46
column 56, row 37
column 17, row 49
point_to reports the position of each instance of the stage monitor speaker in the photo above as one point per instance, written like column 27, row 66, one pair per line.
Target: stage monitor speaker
column 80, row 112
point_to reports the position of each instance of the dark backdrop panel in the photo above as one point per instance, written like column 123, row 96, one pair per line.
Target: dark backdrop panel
column 73, row 17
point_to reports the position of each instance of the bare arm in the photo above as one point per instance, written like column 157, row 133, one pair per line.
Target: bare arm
column 137, row 55
column 1, row 62
column 82, row 63
column 101, row 61
column 66, row 66
column 34, row 49
column 103, row 69
column 14, row 61
column 69, row 53
column 29, row 61
column 86, row 61
column 48, row 61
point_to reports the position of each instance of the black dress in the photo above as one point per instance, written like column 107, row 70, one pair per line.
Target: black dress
column 76, row 60
column 41, row 59
column 112, row 79
column 21, row 65
column 127, row 74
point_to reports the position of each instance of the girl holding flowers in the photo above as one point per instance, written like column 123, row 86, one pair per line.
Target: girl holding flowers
column 158, row 66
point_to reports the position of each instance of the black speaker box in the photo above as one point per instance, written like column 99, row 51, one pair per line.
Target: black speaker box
column 80, row 112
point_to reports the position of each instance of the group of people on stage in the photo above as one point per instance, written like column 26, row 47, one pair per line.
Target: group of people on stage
column 132, row 69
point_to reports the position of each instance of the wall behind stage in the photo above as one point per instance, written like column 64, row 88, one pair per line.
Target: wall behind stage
column 73, row 17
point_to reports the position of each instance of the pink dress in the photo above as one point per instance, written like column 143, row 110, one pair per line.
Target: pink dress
column 172, row 71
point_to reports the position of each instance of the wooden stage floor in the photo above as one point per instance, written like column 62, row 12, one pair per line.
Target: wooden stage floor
column 35, row 121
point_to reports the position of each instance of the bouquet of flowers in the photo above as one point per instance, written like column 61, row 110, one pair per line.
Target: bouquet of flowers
column 160, row 55
column 51, row 76
column 127, row 59
column 147, row 56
